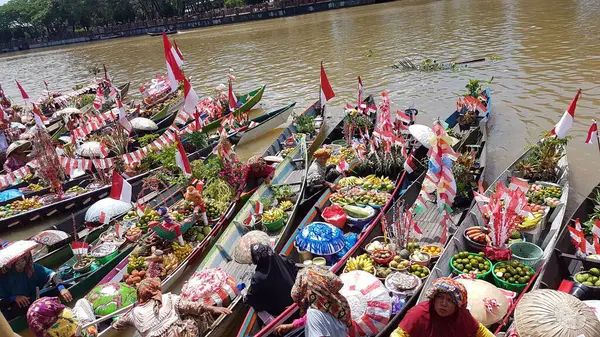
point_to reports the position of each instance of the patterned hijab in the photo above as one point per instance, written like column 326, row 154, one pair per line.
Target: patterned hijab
column 150, row 289
column 319, row 289
column 43, row 313
column 456, row 290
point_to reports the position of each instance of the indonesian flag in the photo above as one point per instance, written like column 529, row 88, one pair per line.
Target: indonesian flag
column 342, row 166
column 46, row 85
column 232, row 99
column 79, row 248
column 258, row 207
column 23, row 93
column 361, row 89
column 197, row 121
column 592, row 133
column 119, row 229
column 177, row 54
column 191, row 98
column 123, row 117
column 99, row 100
column 104, row 219
column 291, row 139
column 564, row 124
column 182, row 159
column 120, row 189
column 577, row 237
column 326, row 91
column 107, row 75
column 39, row 118
column 173, row 72
column 596, row 227
column 409, row 165
column 518, row 183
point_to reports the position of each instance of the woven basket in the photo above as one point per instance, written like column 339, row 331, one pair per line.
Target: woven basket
column 545, row 312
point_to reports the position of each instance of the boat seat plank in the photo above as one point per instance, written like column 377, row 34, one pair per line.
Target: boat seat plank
column 429, row 222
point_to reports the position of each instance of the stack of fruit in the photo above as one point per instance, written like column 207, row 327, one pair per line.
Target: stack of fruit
column 419, row 271
column 135, row 277
column 538, row 194
column 350, row 181
column 513, row 272
column 361, row 262
column 169, row 264
column 467, row 263
column 285, row 205
column 382, row 271
column 76, row 189
column 181, row 252
column 130, row 216
column 175, row 215
column 530, row 222
column 433, row 250
column 341, row 198
column 348, row 154
column 272, row 215
column 133, row 234
column 372, row 182
column 197, row 233
column 399, row 263
column 214, row 209
column 476, row 234
column 136, row 263
column 19, row 206
column 35, row 187
column 589, row 278
column 149, row 216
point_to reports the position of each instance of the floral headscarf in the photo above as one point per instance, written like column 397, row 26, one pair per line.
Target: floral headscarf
column 319, row 289
column 446, row 285
column 43, row 313
column 150, row 289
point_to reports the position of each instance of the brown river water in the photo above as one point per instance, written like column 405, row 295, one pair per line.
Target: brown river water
column 542, row 51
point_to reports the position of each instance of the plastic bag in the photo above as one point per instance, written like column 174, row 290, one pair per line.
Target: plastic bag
column 335, row 215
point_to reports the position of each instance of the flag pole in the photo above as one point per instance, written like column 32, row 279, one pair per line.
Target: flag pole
column 597, row 136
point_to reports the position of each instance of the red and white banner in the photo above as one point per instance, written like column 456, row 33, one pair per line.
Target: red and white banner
column 173, row 72
column 72, row 164
column 232, row 98
column 23, row 93
column 11, row 178
column 121, row 189
column 191, row 98
column 79, row 248
column 99, row 100
column 592, row 135
column 178, row 54
column 123, row 117
column 564, row 124
column 326, row 91
column 40, row 119
column 182, row 159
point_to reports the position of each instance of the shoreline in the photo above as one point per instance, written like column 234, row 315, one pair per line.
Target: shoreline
column 265, row 11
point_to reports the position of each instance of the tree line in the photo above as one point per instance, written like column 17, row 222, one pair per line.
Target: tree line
column 44, row 19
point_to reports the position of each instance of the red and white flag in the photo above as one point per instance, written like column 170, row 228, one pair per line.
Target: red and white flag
column 519, row 183
column 177, row 54
column 409, row 165
column 119, row 229
column 103, row 219
column 182, row 159
column 123, row 117
column 191, row 98
column 120, row 189
column 342, row 166
column 107, row 75
column 173, row 72
column 23, row 93
column 592, row 135
column 361, row 89
column 326, row 91
column 596, row 227
column 258, row 207
column 577, row 237
column 79, row 248
column 232, row 99
column 564, row 124
column 99, row 100
column 40, row 119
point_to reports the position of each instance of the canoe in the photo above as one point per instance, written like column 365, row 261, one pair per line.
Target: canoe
column 268, row 122
column 248, row 101
column 406, row 190
column 222, row 232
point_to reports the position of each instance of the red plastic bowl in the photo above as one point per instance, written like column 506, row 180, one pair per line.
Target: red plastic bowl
column 382, row 261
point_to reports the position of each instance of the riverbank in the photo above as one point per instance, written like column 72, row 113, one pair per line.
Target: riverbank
column 264, row 11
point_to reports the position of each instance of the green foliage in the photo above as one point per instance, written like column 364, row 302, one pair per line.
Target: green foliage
column 84, row 100
column 474, row 88
column 541, row 163
column 165, row 158
column 147, row 139
column 206, row 170
column 234, row 3
column 198, row 139
column 305, row 124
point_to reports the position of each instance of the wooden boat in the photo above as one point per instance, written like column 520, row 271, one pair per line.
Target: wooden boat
column 248, row 101
column 222, row 232
column 406, row 191
column 168, row 32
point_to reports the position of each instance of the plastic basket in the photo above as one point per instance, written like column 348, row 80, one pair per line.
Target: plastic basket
column 275, row 225
column 526, row 253
column 484, row 276
column 509, row 286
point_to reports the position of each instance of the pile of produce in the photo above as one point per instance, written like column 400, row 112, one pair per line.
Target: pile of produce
column 76, row 189
column 382, row 271
column 197, row 233
column 530, row 222
column 361, row 262
column 377, row 245
column 468, row 263
column 168, row 265
column 215, row 209
column 350, row 181
column 35, row 187
column 130, row 216
column 419, row 271
column 136, row 263
column 399, row 263
column 432, row 250
column 149, row 216
column 513, row 272
column 135, row 277
column 282, row 192
column 219, row 190
column 544, row 195
column 341, row 198
column 358, row 212
column 372, row 198
column 476, row 234
column 372, row 182
column 133, row 233
column 184, row 207
column 181, row 252
column 286, row 151
column 19, row 206
column 286, row 205
column 589, row 278
column 273, row 215
column 418, row 256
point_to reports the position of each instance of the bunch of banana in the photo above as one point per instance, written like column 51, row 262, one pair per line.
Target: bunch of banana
column 273, row 215
column 531, row 222
column 361, row 262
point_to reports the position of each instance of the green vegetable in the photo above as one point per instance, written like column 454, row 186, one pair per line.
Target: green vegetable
column 219, row 190
column 357, row 211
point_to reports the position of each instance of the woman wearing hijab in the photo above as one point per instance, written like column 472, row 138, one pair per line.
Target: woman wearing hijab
column 256, row 171
column 156, row 314
column 317, row 293
column 444, row 315
column 319, row 173
column 48, row 317
column 19, row 286
column 272, row 281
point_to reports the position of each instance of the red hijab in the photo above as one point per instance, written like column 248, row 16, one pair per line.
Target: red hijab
column 423, row 320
